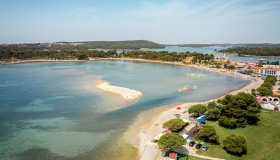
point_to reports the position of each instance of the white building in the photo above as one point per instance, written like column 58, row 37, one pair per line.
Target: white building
column 267, row 71
column 269, row 102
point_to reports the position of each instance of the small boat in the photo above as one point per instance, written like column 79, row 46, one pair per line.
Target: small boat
column 262, row 59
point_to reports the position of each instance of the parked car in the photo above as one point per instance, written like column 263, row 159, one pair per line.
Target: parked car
column 205, row 147
column 198, row 146
column 192, row 143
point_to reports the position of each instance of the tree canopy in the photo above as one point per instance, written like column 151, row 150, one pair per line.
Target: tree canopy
column 174, row 124
column 239, row 110
column 231, row 67
column 213, row 111
column 265, row 88
column 208, row 133
column 171, row 141
column 197, row 109
column 235, row 144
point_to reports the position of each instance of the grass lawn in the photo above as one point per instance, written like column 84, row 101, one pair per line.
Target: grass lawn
column 262, row 139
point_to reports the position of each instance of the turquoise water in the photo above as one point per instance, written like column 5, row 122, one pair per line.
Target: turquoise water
column 209, row 49
column 52, row 110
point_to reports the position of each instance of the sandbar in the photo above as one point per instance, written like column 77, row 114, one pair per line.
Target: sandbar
column 126, row 93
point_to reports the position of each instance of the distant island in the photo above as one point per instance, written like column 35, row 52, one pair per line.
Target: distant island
column 86, row 45
column 253, row 51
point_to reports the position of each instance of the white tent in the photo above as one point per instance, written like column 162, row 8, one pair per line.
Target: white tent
column 185, row 136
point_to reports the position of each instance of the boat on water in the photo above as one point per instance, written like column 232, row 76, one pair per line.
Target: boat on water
column 262, row 59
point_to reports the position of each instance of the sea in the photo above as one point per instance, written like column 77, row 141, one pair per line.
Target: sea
column 52, row 111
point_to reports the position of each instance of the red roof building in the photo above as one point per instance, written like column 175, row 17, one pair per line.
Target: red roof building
column 167, row 131
column 173, row 156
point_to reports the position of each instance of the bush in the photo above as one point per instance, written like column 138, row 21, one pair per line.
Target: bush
column 171, row 141
column 174, row 124
column 235, row 144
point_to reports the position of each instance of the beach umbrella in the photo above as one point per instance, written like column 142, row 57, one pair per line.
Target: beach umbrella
column 178, row 108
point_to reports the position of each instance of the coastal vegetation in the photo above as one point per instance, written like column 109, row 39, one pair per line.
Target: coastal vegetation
column 265, row 88
column 213, row 111
column 20, row 54
column 239, row 110
column 167, row 56
column 253, row 51
column 261, row 139
column 171, row 141
column 9, row 54
column 174, row 124
column 133, row 44
column 197, row 109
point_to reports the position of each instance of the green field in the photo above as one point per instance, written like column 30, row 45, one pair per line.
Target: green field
column 263, row 139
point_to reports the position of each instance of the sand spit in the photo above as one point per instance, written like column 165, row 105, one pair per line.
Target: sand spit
column 127, row 93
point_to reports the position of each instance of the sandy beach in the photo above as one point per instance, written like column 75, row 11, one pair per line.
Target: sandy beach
column 126, row 93
column 149, row 123
column 153, row 124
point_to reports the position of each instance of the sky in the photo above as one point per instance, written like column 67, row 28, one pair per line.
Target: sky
column 160, row 21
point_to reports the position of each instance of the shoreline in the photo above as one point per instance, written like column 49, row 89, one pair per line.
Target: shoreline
column 126, row 93
column 165, row 113
column 160, row 113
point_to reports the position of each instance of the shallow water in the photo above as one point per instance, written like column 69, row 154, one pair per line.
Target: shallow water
column 52, row 111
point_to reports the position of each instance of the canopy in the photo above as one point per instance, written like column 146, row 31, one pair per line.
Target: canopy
column 201, row 120
column 178, row 108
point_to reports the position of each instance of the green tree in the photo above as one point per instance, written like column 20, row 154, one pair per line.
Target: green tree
column 174, row 124
column 253, row 91
column 228, row 122
column 213, row 114
column 239, row 110
column 225, row 65
column 171, row 141
column 218, row 65
column 271, row 79
column 235, row 144
column 212, row 105
column 231, row 67
column 197, row 109
column 208, row 133
column 264, row 91
column 267, row 84
column 250, row 72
